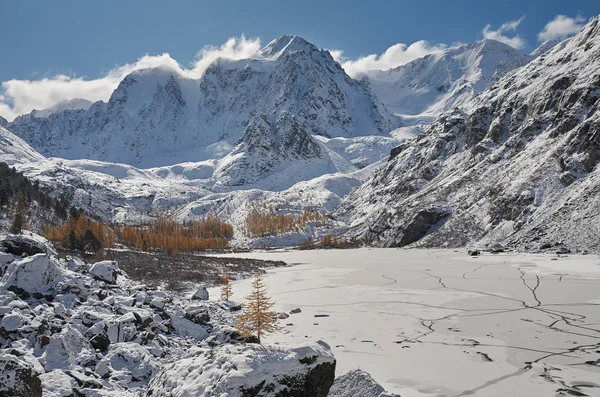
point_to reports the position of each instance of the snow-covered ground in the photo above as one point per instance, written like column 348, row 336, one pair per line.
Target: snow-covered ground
column 441, row 323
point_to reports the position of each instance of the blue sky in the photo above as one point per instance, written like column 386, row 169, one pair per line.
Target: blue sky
column 88, row 39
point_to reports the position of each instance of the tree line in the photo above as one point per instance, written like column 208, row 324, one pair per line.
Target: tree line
column 164, row 234
column 268, row 221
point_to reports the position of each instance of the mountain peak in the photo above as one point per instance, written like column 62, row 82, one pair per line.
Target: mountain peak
column 285, row 44
column 67, row 104
column 491, row 45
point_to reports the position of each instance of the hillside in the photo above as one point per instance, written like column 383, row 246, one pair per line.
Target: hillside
column 519, row 169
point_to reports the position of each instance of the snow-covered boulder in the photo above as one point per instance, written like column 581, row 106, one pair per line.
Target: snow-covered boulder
column 18, row 377
column 239, row 370
column 35, row 274
column 56, row 383
column 357, row 383
column 105, row 271
column 76, row 264
column 11, row 322
column 126, row 363
column 28, row 244
column 200, row 294
column 68, row 349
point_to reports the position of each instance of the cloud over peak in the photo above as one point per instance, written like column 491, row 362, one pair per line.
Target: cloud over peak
column 22, row 96
column 396, row 55
column 505, row 33
column 561, row 27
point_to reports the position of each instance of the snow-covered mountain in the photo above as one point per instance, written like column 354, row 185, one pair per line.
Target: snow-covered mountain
column 277, row 151
column 520, row 168
column 15, row 150
column 545, row 47
column 444, row 80
column 73, row 104
column 157, row 117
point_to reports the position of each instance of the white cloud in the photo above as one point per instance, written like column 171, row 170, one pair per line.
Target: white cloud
column 22, row 96
column 394, row 56
column 337, row 55
column 561, row 27
column 501, row 34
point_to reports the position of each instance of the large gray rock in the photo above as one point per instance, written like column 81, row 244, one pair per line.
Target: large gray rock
column 248, row 370
column 106, row 271
column 127, row 362
column 201, row 294
column 35, row 274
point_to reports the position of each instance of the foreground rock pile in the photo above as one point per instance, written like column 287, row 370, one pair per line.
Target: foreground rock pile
column 68, row 328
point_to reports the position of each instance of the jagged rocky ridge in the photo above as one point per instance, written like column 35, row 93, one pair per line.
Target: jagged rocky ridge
column 444, row 80
column 156, row 117
column 520, row 168
column 68, row 328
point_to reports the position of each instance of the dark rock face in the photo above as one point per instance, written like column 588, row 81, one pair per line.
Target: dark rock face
column 315, row 383
column 18, row 378
column 198, row 316
column 21, row 244
column 420, row 225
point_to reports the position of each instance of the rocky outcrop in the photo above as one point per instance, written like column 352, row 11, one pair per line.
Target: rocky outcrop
column 22, row 244
column 201, row 294
column 249, row 370
column 269, row 142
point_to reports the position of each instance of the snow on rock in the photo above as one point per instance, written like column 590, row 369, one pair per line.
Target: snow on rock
column 126, row 363
column 184, row 119
column 200, row 294
column 18, row 377
column 68, row 349
column 444, row 80
column 73, row 104
column 26, row 244
column 11, row 322
column 357, row 383
column 105, row 271
column 14, row 150
column 57, row 383
column 248, row 369
column 35, row 274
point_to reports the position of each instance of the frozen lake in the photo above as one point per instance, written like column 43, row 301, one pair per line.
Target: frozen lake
column 441, row 323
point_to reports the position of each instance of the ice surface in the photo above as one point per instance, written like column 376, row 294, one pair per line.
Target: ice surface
column 438, row 322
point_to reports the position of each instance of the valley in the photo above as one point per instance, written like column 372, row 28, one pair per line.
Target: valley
column 418, row 223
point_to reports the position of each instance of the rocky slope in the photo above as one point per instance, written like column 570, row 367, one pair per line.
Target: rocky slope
column 156, row 117
column 68, row 328
column 520, row 168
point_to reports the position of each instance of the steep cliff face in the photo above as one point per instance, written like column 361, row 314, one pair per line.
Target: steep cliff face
column 271, row 143
column 520, row 168
column 156, row 117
